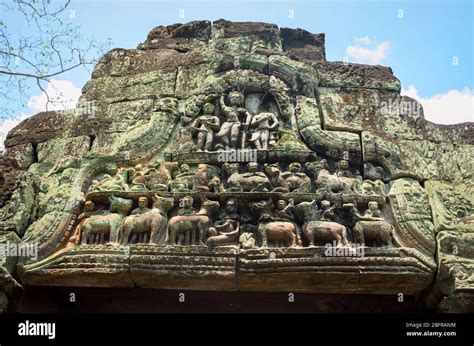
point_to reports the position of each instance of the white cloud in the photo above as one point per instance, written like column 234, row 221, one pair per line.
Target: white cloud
column 365, row 40
column 365, row 55
column 452, row 107
column 63, row 94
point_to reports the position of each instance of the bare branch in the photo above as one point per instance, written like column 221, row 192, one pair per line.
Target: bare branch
column 51, row 46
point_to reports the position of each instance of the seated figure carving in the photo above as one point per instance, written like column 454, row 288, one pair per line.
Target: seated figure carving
column 296, row 180
column 226, row 231
column 215, row 185
column 138, row 178
column 339, row 181
column 233, row 177
column 373, row 188
column 109, row 183
column 343, row 170
column 157, row 179
column 252, row 181
column 278, row 182
column 183, row 182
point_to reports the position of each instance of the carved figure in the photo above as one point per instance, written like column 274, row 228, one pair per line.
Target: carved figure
column 283, row 232
column 189, row 223
column 88, row 210
column 138, row 178
column 160, row 179
column 319, row 225
column 225, row 232
column 373, row 188
column 96, row 228
column 284, row 211
column 343, row 169
column 327, row 212
column 273, row 171
column 260, row 126
column 331, row 182
column 251, row 181
column 296, row 180
column 228, row 134
column 150, row 223
column 371, row 225
column 142, row 206
column 247, row 240
column 183, row 181
column 109, row 183
column 201, row 178
column 215, row 185
column 206, row 125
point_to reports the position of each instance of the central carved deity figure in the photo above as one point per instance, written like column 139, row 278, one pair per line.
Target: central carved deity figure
column 230, row 129
column 229, row 123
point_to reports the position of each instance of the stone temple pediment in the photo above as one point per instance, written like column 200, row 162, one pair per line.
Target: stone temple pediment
column 232, row 156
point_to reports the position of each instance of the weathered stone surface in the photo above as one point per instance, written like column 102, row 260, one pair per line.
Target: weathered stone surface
column 302, row 78
column 127, row 62
column 232, row 156
column 41, row 127
column 113, row 89
column 260, row 33
column 56, row 150
column 342, row 74
column 386, row 113
column 420, row 159
column 8, row 262
column 303, row 45
column 336, row 144
column 150, row 267
column 20, row 210
column 177, row 36
column 453, row 210
column 412, row 211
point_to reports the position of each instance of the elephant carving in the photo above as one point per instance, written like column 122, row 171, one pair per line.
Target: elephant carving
column 325, row 231
column 371, row 225
column 280, row 232
column 380, row 232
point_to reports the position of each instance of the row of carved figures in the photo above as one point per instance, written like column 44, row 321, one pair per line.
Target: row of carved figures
column 276, row 223
column 254, row 178
column 222, row 126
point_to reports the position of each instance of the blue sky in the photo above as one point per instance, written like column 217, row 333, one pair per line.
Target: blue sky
column 422, row 42
column 428, row 44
